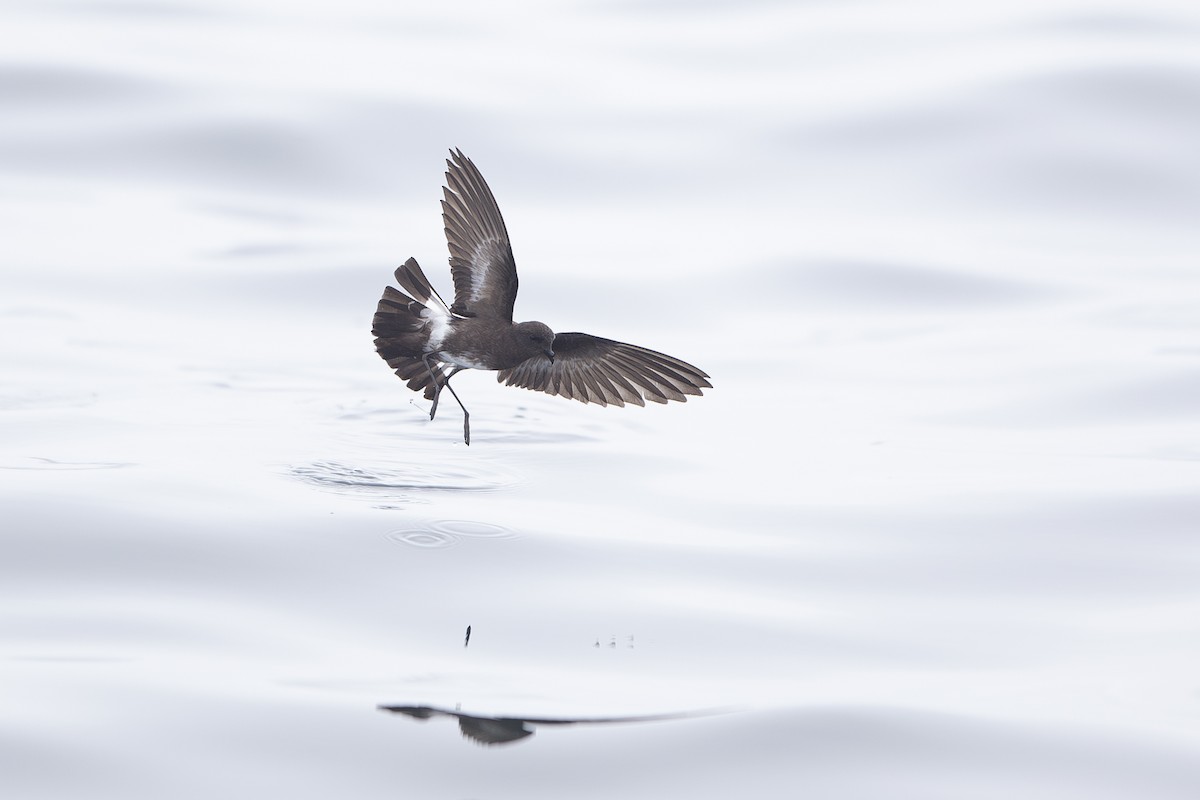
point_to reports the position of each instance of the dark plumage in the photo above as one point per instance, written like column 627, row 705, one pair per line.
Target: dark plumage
column 421, row 336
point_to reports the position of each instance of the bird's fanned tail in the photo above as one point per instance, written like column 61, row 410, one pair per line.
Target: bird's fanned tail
column 400, row 327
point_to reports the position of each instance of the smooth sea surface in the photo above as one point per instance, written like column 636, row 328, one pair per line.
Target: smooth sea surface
column 934, row 532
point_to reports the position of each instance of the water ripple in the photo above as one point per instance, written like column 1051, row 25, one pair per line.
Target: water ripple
column 471, row 529
column 340, row 477
column 448, row 533
column 424, row 539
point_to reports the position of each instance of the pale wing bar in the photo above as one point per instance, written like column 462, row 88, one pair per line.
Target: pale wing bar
column 481, row 259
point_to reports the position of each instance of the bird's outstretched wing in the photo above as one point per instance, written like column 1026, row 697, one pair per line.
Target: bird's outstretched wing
column 481, row 259
column 594, row 370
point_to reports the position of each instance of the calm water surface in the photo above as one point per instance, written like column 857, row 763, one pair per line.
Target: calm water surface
column 932, row 534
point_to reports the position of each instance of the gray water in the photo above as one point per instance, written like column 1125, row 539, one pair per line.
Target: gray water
column 933, row 533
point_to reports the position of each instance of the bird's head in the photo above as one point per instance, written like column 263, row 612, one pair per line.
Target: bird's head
column 537, row 338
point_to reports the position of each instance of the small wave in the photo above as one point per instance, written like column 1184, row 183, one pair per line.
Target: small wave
column 45, row 401
column 39, row 463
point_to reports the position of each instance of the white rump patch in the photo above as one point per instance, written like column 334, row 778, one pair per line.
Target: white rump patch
column 439, row 323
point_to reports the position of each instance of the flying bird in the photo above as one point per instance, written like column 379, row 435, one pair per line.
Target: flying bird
column 427, row 341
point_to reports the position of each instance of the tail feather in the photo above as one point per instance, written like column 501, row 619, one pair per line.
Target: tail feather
column 413, row 280
column 413, row 372
column 399, row 328
column 399, row 316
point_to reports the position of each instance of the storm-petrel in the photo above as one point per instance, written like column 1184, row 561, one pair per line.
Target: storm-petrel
column 420, row 336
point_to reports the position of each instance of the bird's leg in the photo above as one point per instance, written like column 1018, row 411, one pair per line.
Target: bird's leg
column 429, row 360
column 437, row 393
column 466, row 414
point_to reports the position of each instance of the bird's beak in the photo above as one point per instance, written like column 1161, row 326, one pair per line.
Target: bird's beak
column 549, row 354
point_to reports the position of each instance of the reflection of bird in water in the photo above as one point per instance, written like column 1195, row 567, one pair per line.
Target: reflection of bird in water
column 502, row 730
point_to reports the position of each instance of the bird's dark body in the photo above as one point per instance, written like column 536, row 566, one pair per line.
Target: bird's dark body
column 421, row 336
column 403, row 333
